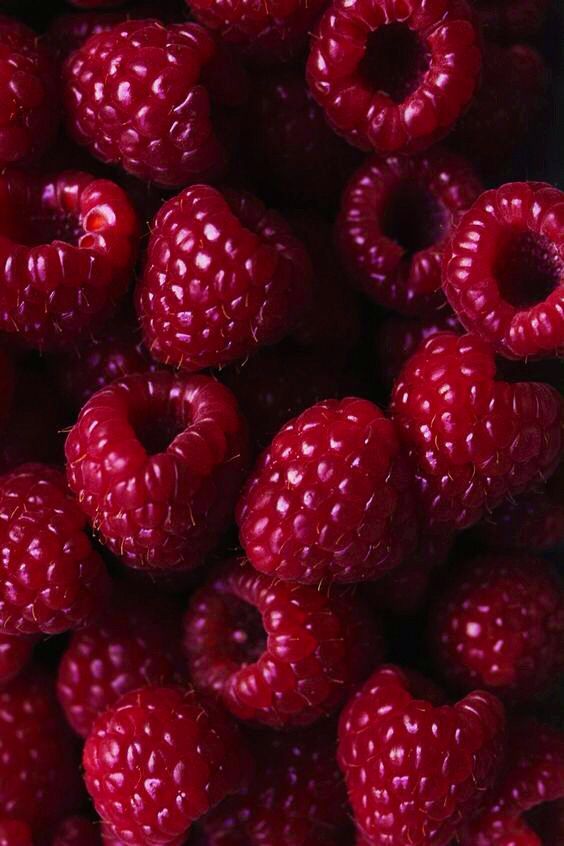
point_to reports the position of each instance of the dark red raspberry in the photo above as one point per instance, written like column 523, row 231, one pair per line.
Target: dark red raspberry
column 15, row 833
column 67, row 248
column 15, row 653
column 77, row 831
column 157, row 461
column 394, row 77
column 136, row 643
column 473, row 440
column 151, row 98
column 29, row 95
column 510, row 20
column 297, row 797
column 533, row 775
column 504, row 270
column 498, row 624
column 396, row 216
column 277, row 653
column 177, row 756
column 52, row 579
column 223, row 276
column 415, row 770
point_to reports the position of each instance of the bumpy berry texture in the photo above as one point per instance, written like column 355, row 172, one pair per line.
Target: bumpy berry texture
column 511, row 19
column 14, row 833
column 156, row 461
column 473, row 440
column 277, row 653
column 504, row 271
column 223, row 276
column 192, row 750
column 416, row 770
column 394, row 77
column 296, row 772
column 498, row 624
column 396, row 215
column 15, row 653
column 136, row 643
column 77, row 831
column 180, row 90
column 52, row 579
column 68, row 244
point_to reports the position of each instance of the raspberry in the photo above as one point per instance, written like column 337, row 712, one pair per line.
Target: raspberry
column 277, row 653
column 15, row 653
column 394, row 77
column 15, row 833
column 52, row 579
column 504, row 271
column 157, row 461
column 29, row 101
column 396, row 217
column 415, row 770
column 67, row 250
column 177, row 756
column 511, row 19
column 499, row 624
column 223, row 276
column 533, row 775
column 162, row 131
column 136, row 643
column 298, row 773
column 330, row 499
column 77, row 831
column 473, row 440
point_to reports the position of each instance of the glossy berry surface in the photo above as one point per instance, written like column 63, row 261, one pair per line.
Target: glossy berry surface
column 15, row 653
column 277, row 653
column 223, row 277
column 77, row 831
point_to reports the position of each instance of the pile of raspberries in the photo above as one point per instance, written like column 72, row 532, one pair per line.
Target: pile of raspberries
column 281, row 423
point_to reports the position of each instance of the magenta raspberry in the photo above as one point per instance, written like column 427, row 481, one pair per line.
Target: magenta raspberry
column 15, row 653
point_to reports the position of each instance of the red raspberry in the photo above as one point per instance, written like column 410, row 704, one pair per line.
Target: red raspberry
column 52, row 579
column 77, row 831
column 67, row 250
column 277, row 653
column 177, row 756
column 499, row 624
column 330, row 499
column 394, row 77
column 136, row 643
column 396, row 217
column 15, row 653
column 473, row 440
column 415, row 770
column 504, row 271
column 223, row 276
column 157, row 461
column 15, row 833
column 533, row 775
column 161, row 130
column 511, row 19
column 29, row 101
column 297, row 798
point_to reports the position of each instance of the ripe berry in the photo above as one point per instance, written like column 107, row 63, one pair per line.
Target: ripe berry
column 498, row 624
column 415, row 770
column 52, row 580
column 396, row 217
column 277, row 653
column 177, row 756
column 330, row 499
column 15, row 653
column 15, row 833
column 504, row 271
column 473, row 440
column 67, row 251
column 152, row 99
column 510, row 20
column 391, row 77
column 77, row 831
column 156, row 461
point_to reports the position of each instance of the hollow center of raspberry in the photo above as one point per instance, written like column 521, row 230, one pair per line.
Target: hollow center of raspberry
column 527, row 268
column 43, row 228
column 394, row 62
column 413, row 218
column 246, row 638
column 156, row 436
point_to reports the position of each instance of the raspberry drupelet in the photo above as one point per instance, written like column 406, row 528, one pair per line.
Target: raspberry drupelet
column 68, row 244
column 397, row 214
column 275, row 652
column 156, row 461
column 52, row 579
column 472, row 439
column 393, row 77
column 190, row 751
column 510, row 20
column 15, row 653
column 223, row 277
column 415, row 770
column 77, row 831
column 155, row 100
column 504, row 269
column 330, row 500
